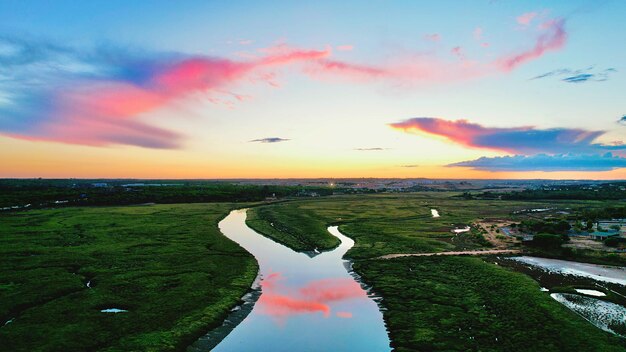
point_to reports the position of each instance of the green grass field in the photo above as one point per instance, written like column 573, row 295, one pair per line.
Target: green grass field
column 380, row 224
column 467, row 304
column 177, row 276
column 168, row 265
column 429, row 299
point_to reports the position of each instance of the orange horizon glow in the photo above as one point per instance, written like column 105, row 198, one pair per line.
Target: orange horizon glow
column 53, row 160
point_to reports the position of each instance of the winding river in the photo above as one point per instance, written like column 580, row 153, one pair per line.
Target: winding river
column 305, row 304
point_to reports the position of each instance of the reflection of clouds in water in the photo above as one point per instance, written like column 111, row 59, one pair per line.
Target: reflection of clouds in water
column 281, row 300
column 302, row 299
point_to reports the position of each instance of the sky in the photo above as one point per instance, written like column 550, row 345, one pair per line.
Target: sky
column 283, row 89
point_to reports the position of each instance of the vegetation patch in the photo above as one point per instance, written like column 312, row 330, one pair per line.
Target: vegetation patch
column 292, row 226
column 167, row 265
column 463, row 303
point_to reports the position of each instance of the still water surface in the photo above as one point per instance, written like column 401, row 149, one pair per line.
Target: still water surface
column 306, row 304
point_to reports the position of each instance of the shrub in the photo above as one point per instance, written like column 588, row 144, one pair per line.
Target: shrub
column 613, row 241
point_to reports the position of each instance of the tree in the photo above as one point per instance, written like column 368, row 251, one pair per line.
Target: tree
column 612, row 241
column 545, row 240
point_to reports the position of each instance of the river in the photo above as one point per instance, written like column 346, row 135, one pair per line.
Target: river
column 305, row 304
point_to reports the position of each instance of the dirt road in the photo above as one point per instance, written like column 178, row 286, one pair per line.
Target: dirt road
column 477, row 252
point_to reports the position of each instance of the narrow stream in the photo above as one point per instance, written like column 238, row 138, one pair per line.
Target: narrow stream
column 305, row 304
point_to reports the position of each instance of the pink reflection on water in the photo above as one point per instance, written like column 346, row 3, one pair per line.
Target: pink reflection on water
column 282, row 300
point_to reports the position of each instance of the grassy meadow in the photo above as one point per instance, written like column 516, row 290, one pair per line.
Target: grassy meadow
column 177, row 275
column 467, row 304
column 168, row 265
column 441, row 303
column 381, row 224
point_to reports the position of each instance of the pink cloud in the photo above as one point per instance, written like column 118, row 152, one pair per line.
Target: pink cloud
column 526, row 18
column 478, row 33
column 345, row 315
column 553, row 38
column 458, row 52
column 341, row 69
column 345, row 47
column 516, row 140
column 407, row 70
column 105, row 112
column 283, row 54
column 434, row 37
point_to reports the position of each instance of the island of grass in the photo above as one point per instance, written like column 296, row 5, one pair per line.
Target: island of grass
column 167, row 268
column 277, row 222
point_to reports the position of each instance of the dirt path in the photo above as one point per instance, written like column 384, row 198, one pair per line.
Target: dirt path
column 494, row 235
column 476, row 252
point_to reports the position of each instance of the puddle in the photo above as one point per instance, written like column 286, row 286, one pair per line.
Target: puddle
column 465, row 229
column 113, row 310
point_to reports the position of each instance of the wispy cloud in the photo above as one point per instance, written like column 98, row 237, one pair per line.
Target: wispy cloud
column 515, row 140
column 589, row 74
column 526, row 18
column 270, row 140
column 416, row 69
column 410, row 165
column 622, row 120
column 345, row 47
column 370, row 149
column 543, row 162
column 434, row 37
column 477, row 33
column 552, row 38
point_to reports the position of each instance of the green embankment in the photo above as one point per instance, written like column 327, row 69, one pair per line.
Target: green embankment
column 429, row 299
column 294, row 227
column 168, row 265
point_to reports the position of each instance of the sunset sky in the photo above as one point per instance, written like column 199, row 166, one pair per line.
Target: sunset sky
column 277, row 89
